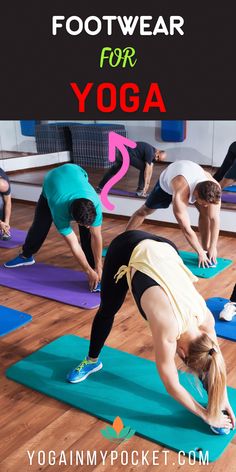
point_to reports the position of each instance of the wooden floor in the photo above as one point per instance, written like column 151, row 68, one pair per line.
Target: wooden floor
column 31, row 421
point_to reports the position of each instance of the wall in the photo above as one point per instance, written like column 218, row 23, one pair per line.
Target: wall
column 196, row 147
column 11, row 138
column 206, row 142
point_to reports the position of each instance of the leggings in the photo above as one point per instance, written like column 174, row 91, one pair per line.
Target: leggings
column 2, row 208
column 112, row 293
column 228, row 167
column 134, row 161
column 40, row 228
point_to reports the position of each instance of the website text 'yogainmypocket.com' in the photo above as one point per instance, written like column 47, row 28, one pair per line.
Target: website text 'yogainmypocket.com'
column 116, row 457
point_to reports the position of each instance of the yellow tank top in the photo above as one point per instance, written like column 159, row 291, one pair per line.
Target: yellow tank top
column 162, row 263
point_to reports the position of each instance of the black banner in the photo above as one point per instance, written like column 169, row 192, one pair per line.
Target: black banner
column 156, row 72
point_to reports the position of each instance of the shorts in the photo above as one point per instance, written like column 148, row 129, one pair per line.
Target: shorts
column 140, row 283
column 158, row 198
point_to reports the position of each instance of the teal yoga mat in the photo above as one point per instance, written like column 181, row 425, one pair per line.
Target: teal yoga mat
column 104, row 252
column 127, row 386
column 191, row 261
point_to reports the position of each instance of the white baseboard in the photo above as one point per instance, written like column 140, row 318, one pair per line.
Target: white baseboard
column 127, row 206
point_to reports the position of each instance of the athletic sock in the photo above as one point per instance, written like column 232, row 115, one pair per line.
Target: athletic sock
column 92, row 360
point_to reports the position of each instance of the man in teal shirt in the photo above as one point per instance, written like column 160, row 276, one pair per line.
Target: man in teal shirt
column 67, row 195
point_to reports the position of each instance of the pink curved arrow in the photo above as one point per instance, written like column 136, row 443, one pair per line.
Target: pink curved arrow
column 116, row 141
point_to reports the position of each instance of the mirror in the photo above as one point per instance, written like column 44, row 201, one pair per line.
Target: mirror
column 27, row 147
column 203, row 142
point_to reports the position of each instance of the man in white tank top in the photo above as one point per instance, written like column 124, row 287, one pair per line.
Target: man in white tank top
column 183, row 183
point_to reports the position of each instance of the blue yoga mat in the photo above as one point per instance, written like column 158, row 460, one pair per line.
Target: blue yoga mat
column 173, row 130
column 12, row 319
column 224, row 329
column 28, row 127
column 232, row 188
column 129, row 387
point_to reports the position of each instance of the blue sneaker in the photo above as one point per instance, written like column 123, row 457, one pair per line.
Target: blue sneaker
column 221, row 431
column 212, row 265
column 98, row 288
column 85, row 368
column 19, row 261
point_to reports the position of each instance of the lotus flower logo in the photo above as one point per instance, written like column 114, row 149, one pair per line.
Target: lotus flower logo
column 117, row 432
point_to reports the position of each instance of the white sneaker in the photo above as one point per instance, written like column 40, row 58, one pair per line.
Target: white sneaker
column 228, row 312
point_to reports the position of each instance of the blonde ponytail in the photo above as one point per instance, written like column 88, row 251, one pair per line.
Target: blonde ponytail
column 205, row 359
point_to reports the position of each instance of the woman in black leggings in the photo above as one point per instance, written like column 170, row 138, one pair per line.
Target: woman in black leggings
column 113, row 294
column 179, row 320
column 226, row 174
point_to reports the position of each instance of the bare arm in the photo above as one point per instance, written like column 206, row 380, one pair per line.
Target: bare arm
column 165, row 354
column 214, row 217
column 169, row 375
column 181, row 215
column 147, row 176
column 77, row 251
column 164, row 328
column 96, row 243
column 209, row 327
column 214, row 220
column 7, row 209
column 5, row 225
column 138, row 217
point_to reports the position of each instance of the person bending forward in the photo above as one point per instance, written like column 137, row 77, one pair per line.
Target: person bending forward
column 67, row 195
column 181, row 183
column 180, row 322
column 142, row 157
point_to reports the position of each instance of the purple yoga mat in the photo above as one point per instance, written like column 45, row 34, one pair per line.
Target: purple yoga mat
column 18, row 238
column 125, row 193
column 228, row 197
column 117, row 191
column 63, row 285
